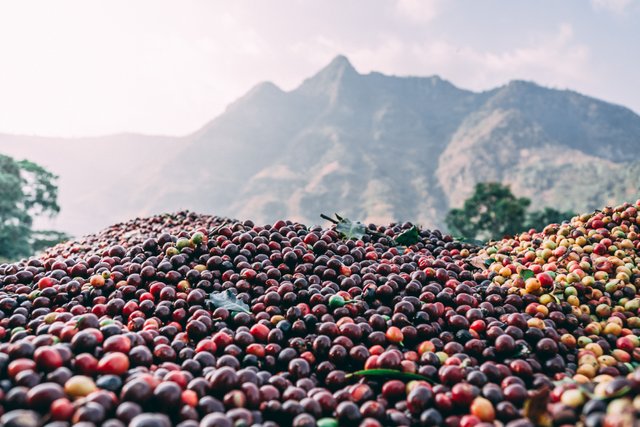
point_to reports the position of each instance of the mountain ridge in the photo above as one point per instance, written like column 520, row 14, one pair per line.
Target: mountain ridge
column 371, row 146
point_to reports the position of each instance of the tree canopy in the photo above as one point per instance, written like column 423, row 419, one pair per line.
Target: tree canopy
column 540, row 219
column 493, row 212
column 27, row 190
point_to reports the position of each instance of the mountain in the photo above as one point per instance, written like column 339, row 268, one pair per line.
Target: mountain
column 378, row 147
column 370, row 146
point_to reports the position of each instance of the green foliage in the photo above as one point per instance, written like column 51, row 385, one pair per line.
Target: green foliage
column 408, row 237
column 493, row 212
column 527, row 274
column 538, row 220
column 26, row 190
column 351, row 230
column 43, row 239
column 357, row 230
column 347, row 228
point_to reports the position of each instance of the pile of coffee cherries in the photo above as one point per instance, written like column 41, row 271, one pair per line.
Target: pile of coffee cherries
column 589, row 268
column 193, row 320
column 134, row 232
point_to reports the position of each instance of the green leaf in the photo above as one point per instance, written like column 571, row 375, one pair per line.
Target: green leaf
column 230, row 301
column 80, row 319
column 526, row 274
column 327, row 422
column 388, row 373
column 351, row 230
column 479, row 262
column 408, row 237
column 620, row 393
column 563, row 381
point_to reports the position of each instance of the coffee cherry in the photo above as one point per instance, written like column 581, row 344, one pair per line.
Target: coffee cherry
column 483, row 409
column 79, row 386
column 123, row 327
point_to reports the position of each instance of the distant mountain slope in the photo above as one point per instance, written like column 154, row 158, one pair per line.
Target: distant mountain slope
column 379, row 147
column 559, row 148
column 370, row 146
column 97, row 175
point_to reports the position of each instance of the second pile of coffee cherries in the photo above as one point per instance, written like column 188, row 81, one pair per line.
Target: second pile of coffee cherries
column 196, row 320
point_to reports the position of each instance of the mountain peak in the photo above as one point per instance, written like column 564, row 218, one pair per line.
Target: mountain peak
column 265, row 88
column 340, row 63
column 520, row 82
column 337, row 69
column 262, row 92
column 521, row 85
column 331, row 76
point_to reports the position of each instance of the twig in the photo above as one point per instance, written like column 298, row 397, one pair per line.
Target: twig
column 328, row 218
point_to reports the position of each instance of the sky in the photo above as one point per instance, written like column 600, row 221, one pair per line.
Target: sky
column 88, row 67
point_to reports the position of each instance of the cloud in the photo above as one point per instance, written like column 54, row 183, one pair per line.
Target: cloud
column 614, row 6
column 553, row 59
column 418, row 10
column 84, row 69
column 81, row 67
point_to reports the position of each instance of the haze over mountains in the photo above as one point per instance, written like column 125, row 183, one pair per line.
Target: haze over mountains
column 371, row 147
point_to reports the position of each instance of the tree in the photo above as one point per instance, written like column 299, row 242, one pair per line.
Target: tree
column 491, row 212
column 43, row 239
column 26, row 190
column 538, row 220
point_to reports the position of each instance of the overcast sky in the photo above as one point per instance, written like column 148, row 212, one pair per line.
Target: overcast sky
column 88, row 67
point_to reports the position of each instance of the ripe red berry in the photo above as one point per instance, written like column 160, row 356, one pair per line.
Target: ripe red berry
column 394, row 335
column 47, row 358
column 113, row 363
